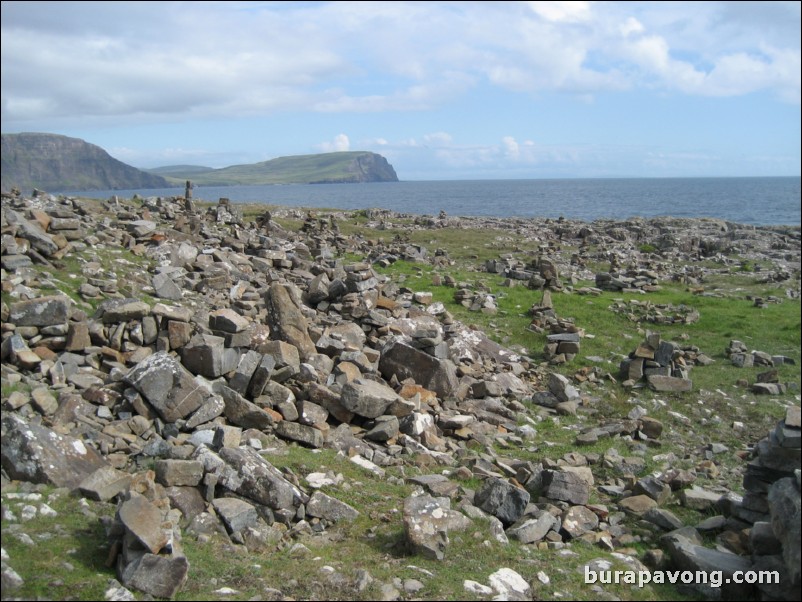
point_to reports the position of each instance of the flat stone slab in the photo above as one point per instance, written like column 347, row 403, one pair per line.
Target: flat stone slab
column 37, row 454
column 143, row 520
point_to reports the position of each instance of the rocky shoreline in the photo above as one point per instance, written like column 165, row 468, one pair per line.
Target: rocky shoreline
column 166, row 388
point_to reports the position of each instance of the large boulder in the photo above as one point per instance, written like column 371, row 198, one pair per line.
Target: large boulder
column 167, row 386
column 403, row 361
column 37, row 454
column 286, row 321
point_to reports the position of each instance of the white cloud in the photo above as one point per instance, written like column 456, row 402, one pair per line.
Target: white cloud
column 438, row 139
column 340, row 143
column 78, row 62
column 511, row 147
column 556, row 10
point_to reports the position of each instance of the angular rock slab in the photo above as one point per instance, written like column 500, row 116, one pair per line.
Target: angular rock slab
column 689, row 556
column 402, row 361
column 367, row 398
column 159, row 576
column 502, row 499
column 329, row 508
column 784, row 504
column 426, row 525
column 43, row 311
column 104, row 483
column 286, row 321
column 236, row 514
column 143, row 520
column 37, row 454
column 167, row 386
column 251, row 476
column 566, row 486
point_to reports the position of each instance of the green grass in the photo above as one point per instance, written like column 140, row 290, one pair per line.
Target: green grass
column 67, row 560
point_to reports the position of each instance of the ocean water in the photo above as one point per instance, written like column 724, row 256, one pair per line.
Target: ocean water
column 749, row 200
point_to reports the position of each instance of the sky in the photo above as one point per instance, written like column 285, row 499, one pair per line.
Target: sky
column 443, row 90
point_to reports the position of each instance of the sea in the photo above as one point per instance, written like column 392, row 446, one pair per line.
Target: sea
column 756, row 201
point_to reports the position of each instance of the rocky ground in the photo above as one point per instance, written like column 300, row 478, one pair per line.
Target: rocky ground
column 165, row 379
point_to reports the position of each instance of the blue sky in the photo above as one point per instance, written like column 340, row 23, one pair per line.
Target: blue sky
column 444, row 90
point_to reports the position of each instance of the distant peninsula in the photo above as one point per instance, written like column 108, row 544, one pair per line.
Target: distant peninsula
column 52, row 162
column 324, row 168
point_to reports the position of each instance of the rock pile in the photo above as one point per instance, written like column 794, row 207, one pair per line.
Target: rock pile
column 768, row 380
column 762, row 528
column 655, row 313
column 169, row 388
column 563, row 338
column 664, row 365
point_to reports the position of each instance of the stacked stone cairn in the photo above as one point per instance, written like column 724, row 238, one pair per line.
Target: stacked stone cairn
column 563, row 338
column 762, row 528
column 767, row 382
column 663, row 365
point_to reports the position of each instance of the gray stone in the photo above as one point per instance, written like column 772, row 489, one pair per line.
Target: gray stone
column 690, row 556
column 509, row 585
column 662, row 383
column 561, row 387
column 310, row 413
column 179, row 473
column 261, row 375
column 665, row 519
column 654, row 488
column 42, row 311
column 143, row 520
column 698, row 498
column 793, row 417
column 122, row 310
column 227, row 436
column 37, row 454
column 211, row 408
column 167, row 386
column 502, row 499
column 32, row 232
column 565, row 486
column 286, row 321
column 166, row 288
column 301, row 433
column 141, row 227
column 383, row 429
column 637, row 504
column 228, row 320
column 244, row 413
column 531, row 530
column 44, row 401
column 104, row 483
column 236, row 514
column 248, row 363
column 160, row 576
column 578, row 520
column 403, row 361
column 784, row 505
column 788, row 436
column 426, row 525
column 329, row 508
column 367, row 398
column 763, row 541
column 207, row 355
column 188, row 500
column 12, row 263
column 250, row 475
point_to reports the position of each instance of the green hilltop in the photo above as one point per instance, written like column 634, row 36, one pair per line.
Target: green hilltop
column 324, row 168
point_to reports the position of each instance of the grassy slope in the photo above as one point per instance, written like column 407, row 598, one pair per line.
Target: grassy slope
column 300, row 169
